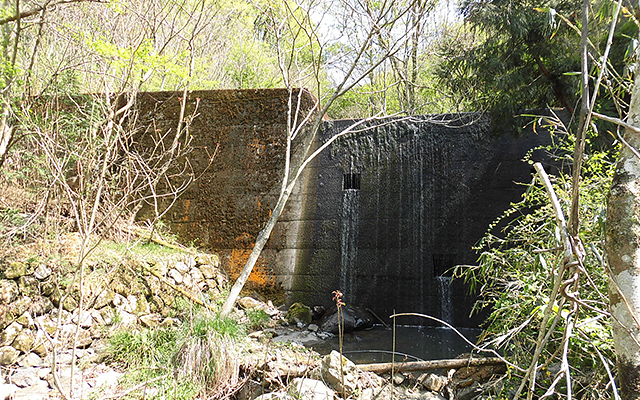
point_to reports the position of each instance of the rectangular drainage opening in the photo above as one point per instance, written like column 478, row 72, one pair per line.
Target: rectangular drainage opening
column 351, row 181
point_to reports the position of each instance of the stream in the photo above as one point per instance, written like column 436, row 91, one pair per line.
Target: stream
column 412, row 343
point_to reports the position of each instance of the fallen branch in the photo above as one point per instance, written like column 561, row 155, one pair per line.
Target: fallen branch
column 383, row 368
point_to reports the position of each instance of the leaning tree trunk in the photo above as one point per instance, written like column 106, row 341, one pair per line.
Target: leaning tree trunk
column 623, row 251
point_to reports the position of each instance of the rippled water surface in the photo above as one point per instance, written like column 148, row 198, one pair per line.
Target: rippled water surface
column 412, row 343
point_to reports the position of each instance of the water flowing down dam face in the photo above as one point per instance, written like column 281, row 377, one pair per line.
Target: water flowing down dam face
column 389, row 211
column 381, row 215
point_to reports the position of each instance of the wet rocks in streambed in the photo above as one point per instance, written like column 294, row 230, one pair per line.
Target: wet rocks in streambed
column 354, row 318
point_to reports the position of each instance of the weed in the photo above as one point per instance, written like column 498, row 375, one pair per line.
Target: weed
column 258, row 318
column 200, row 354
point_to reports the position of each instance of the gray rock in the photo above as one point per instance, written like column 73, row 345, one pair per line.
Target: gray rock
column 469, row 392
column 187, row 280
column 398, row 378
column 42, row 272
column 8, row 291
column 208, row 271
column 103, row 299
column 182, row 267
column 30, row 360
column 43, row 373
column 150, row 320
column 196, row 275
column 107, row 379
column 336, row 370
column 175, row 275
column 38, row 391
column 299, row 337
column 390, row 392
column 432, row 382
column 119, row 301
column 40, row 305
column 313, row 327
column 26, row 320
column 45, row 322
column 8, row 355
column 24, row 377
column 311, row 389
column 9, row 333
column 354, row 318
column 85, row 319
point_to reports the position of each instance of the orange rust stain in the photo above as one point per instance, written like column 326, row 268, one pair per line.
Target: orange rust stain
column 256, row 146
column 187, row 204
column 260, row 276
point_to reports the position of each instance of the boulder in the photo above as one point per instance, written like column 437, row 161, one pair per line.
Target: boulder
column 48, row 288
column 40, row 305
column 20, row 306
column 8, row 335
column 26, row 320
column 299, row 314
column 30, row 360
column 28, row 285
column 340, row 373
column 312, row 389
column 8, row 355
column 103, row 299
column 24, row 377
column 208, row 271
column 175, row 275
column 38, row 391
column 150, row 320
column 24, row 341
column 42, row 272
column 433, row 382
column 354, row 318
column 181, row 266
column 16, row 269
column 8, row 291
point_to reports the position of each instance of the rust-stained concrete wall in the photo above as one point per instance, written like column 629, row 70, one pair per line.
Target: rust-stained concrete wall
column 238, row 141
column 427, row 189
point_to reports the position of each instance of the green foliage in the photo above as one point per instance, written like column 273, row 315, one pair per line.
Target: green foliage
column 203, row 350
column 258, row 318
column 517, row 269
column 525, row 54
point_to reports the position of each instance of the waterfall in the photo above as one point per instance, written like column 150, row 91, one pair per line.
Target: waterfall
column 348, row 237
column 446, row 305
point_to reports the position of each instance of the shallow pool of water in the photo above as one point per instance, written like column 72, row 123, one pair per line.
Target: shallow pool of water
column 413, row 343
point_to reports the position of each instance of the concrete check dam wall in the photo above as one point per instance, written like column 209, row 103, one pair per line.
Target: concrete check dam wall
column 381, row 214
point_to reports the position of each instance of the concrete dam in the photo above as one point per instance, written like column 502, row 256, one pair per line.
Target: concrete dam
column 381, row 215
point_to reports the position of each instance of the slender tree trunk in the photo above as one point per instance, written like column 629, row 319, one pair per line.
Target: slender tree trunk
column 261, row 241
column 623, row 250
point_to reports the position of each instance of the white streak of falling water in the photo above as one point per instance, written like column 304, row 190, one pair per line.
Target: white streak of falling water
column 349, row 250
column 446, row 305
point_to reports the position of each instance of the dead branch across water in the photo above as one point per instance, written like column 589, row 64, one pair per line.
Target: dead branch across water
column 382, row 368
